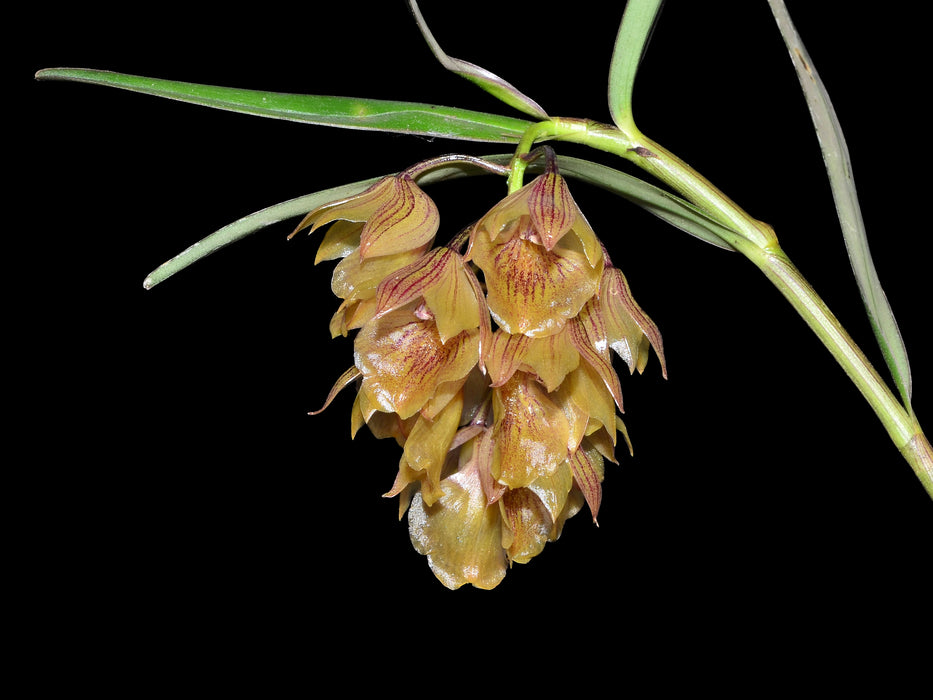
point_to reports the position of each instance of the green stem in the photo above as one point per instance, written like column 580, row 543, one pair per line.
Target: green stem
column 537, row 132
column 757, row 242
column 902, row 425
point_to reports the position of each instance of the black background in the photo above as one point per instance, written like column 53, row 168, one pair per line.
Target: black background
column 180, row 501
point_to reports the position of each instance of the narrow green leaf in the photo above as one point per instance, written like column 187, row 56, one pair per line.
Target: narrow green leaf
column 638, row 21
column 250, row 224
column 839, row 169
column 346, row 112
column 668, row 207
column 662, row 204
column 490, row 82
column 292, row 208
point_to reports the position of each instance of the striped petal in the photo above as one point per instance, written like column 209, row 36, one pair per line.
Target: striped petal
column 442, row 280
column 355, row 278
column 357, row 208
column 588, row 469
column 627, row 326
column 407, row 219
column 530, row 432
column 527, row 525
column 530, row 289
column 403, row 360
column 505, row 356
column 588, row 337
column 551, row 207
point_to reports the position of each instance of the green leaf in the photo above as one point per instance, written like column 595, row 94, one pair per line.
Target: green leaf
column 839, row 170
column 662, row 204
column 638, row 21
column 292, row 208
column 250, row 224
column 668, row 207
column 346, row 112
column 490, row 82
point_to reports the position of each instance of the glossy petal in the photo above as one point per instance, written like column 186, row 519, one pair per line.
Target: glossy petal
column 505, row 356
column 347, row 378
column 530, row 289
column 551, row 207
column 574, row 505
column 429, row 443
column 389, row 425
column 354, row 278
column 551, row 358
column 395, row 214
column 527, row 525
column 591, row 397
column 588, row 470
column 586, row 238
column 407, row 220
column 439, row 277
column 403, row 360
column 553, row 489
column 530, row 432
column 588, row 337
column 578, row 418
column 627, row 326
column 339, row 241
column 504, row 214
column 352, row 314
column 460, row 534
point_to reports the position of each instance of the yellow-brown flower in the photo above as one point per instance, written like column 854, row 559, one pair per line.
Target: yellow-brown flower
column 391, row 216
column 504, row 430
column 376, row 232
column 540, row 258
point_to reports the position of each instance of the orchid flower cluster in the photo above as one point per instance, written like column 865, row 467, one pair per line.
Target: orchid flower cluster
column 489, row 361
column 488, row 356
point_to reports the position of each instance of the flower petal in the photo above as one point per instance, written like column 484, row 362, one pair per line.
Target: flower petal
column 530, row 289
column 460, row 534
column 551, row 358
column 355, row 278
column 527, row 525
column 406, row 220
column 348, row 377
column 340, row 240
column 530, row 432
column 587, row 390
column 588, row 469
column 588, row 338
column 553, row 489
column 577, row 416
column 358, row 207
column 403, row 360
column 441, row 278
column 504, row 214
column 429, row 443
column 626, row 322
column 505, row 356
column 551, row 207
